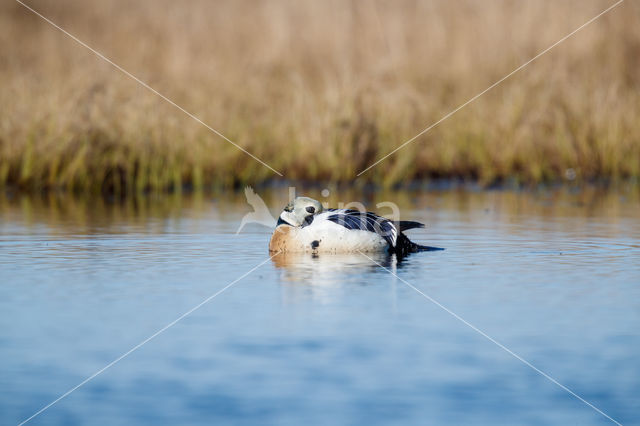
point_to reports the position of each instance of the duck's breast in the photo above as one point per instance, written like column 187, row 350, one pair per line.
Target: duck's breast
column 283, row 239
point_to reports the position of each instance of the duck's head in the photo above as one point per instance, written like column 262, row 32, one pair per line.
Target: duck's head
column 300, row 212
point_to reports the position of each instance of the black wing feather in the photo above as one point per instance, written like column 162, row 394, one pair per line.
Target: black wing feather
column 354, row 219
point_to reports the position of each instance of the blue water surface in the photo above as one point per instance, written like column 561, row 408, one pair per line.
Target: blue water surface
column 552, row 278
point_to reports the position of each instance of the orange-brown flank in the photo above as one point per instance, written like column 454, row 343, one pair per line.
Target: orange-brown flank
column 280, row 240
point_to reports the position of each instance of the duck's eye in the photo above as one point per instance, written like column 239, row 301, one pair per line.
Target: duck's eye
column 311, row 209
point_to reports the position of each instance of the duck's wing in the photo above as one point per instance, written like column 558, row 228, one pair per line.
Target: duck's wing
column 365, row 221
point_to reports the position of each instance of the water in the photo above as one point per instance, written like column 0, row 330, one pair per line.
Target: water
column 553, row 275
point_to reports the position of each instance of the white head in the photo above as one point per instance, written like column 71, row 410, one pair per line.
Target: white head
column 300, row 211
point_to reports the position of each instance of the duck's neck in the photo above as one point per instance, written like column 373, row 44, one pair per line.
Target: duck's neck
column 281, row 221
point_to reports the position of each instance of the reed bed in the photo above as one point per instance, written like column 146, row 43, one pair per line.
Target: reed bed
column 319, row 90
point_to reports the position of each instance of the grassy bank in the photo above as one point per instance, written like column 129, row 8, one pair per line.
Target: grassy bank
column 318, row 90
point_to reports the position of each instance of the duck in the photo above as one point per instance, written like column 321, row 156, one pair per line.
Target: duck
column 305, row 226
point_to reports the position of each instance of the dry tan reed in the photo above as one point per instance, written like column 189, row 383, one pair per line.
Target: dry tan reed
column 317, row 89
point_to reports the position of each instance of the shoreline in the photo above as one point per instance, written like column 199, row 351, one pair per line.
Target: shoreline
column 424, row 186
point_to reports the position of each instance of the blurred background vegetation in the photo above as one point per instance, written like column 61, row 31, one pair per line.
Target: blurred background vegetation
column 317, row 89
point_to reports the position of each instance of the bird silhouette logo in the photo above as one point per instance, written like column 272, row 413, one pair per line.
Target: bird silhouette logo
column 260, row 214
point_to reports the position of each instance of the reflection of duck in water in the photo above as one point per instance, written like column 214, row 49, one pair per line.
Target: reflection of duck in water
column 327, row 277
column 304, row 226
column 332, row 262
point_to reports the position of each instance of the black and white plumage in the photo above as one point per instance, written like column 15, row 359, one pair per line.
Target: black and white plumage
column 305, row 226
column 365, row 221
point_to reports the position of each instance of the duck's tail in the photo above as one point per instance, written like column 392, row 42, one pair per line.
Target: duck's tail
column 404, row 246
column 403, row 225
column 426, row 248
